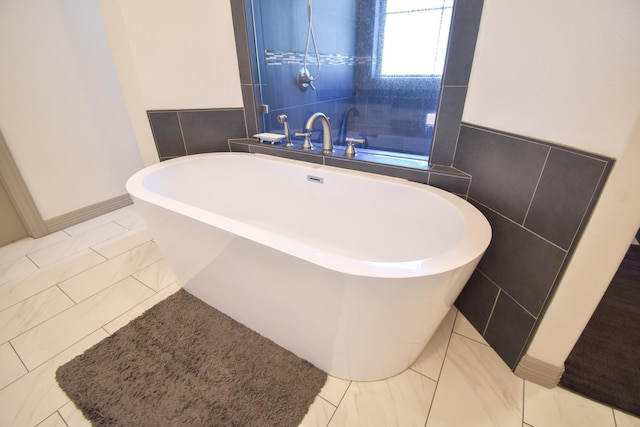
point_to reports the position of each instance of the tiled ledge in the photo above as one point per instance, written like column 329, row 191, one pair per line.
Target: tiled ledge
column 445, row 177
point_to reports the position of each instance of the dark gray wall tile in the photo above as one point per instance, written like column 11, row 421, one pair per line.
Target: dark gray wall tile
column 262, row 119
column 207, row 131
column 505, row 169
column 462, row 44
column 238, row 147
column 251, row 114
column 241, row 32
column 567, row 187
column 519, row 262
column 448, row 125
column 453, row 184
column 287, row 154
column 408, row 174
column 167, row 133
column 477, row 300
column 509, row 330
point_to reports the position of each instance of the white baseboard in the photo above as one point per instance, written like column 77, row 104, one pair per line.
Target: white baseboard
column 72, row 218
column 539, row 372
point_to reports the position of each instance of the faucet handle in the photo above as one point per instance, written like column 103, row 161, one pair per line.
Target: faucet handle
column 350, row 151
column 306, row 145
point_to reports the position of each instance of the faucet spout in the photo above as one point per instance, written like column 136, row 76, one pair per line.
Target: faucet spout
column 327, row 141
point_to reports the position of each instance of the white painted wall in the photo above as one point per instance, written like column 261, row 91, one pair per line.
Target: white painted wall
column 568, row 72
column 172, row 54
column 78, row 76
column 61, row 108
column 184, row 52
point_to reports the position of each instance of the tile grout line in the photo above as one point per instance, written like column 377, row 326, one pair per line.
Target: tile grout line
column 471, row 339
column 339, row 403
column 446, row 352
column 23, row 364
column 590, row 204
column 495, row 302
column 61, row 417
column 519, row 225
column 535, row 190
column 58, row 314
column 45, row 320
column 53, row 356
column 66, row 294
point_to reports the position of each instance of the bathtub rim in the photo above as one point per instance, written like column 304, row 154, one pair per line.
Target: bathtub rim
column 469, row 249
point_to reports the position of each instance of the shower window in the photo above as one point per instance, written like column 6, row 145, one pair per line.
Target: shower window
column 414, row 37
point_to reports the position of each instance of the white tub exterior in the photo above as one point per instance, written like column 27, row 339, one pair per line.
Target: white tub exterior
column 350, row 271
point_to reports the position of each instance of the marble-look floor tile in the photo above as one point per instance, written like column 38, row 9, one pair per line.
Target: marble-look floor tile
column 122, row 243
column 475, row 387
column 465, row 328
column 334, row 389
column 53, row 420
column 18, row 290
column 15, row 269
column 139, row 309
column 475, row 378
column 73, row 416
column 93, row 280
column 319, row 413
column 430, row 362
column 157, row 275
column 132, row 221
column 557, row 407
column 59, row 251
column 625, row 420
column 402, row 400
column 31, row 312
column 27, row 245
column 11, row 368
column 113, row 216
column 35, row 396
column 49, row 338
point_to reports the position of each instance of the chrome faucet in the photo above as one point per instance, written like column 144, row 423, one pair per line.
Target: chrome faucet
column 327, row 141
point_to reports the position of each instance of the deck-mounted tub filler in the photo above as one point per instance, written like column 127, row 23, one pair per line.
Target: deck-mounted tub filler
column 351, row 271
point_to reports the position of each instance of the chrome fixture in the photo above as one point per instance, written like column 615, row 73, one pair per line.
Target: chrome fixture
column 350, row 151
column 327, row 142
column 282, row 119
column 304, row 79
column 306, row 145
column 342, row 135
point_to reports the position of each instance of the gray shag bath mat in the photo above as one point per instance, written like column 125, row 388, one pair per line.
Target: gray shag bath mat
column 183, row 363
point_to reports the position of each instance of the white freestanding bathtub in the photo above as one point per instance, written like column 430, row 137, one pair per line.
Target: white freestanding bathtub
column 351, row 271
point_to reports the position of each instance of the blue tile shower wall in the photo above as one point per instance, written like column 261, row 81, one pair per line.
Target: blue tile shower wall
column 537, row 197
column 283, row 27
column 181, row 132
